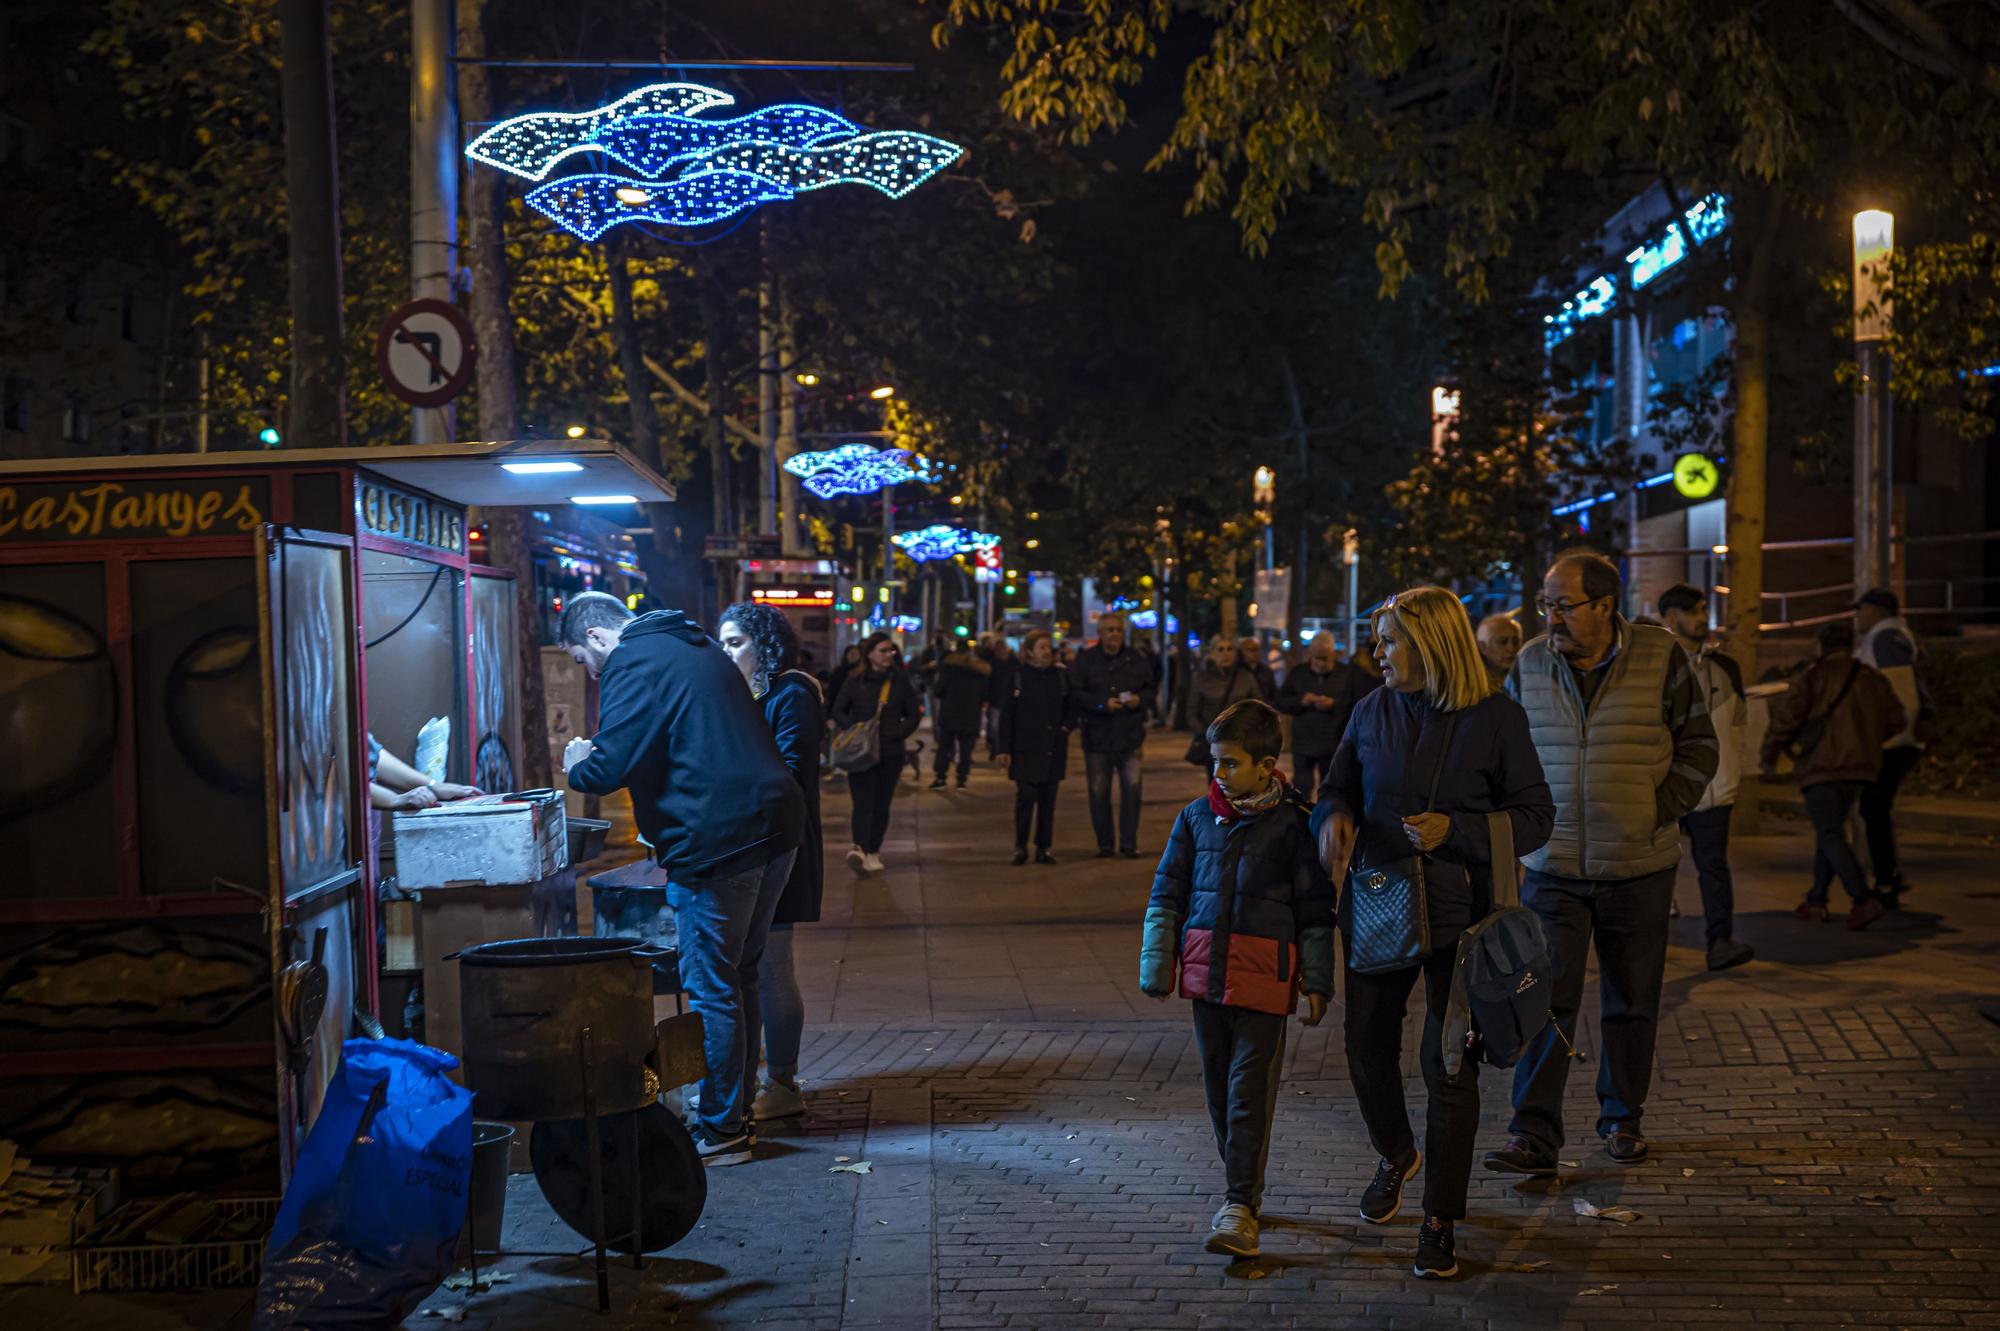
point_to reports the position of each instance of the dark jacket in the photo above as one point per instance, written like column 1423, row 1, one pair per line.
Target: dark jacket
column 1036, row 717
column 1267, row 680
column 1211, row 693
column 1244, row 906
column 1098, row 678
column 1851, row 747
column 678, row 729
column 796, row 715
column 961, row 684
column 1317, row 732
column 1484, row 762
column 859, row 696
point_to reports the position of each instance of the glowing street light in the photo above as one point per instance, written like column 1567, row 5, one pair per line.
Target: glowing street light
column 883, row 393
column 807, row 380
column 1874, row 242
column 574, row 432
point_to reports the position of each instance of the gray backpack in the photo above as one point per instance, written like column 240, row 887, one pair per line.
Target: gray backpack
column 1500, row 985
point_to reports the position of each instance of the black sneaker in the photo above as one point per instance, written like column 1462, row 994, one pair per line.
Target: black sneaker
column 1105, row 852
column 1043, row 857
column 938, row 784
column 1435, row 1258
column 1020, row 854
column 1726, row 952
column 1129, row 854
column 1520, row 1156
column 1384, row 1196
column 715, row 1149
column 961, row 783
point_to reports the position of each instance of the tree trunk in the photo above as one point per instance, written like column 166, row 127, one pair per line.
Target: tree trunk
column 316, row 415
column 1750, row 436
column 509, row 539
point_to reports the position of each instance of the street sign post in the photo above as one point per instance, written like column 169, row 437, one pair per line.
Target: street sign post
column 425, row 351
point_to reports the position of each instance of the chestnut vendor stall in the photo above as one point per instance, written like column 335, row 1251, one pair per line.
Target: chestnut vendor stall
column 194, row 650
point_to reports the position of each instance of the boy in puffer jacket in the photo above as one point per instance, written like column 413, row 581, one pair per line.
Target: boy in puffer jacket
column 1241, row 904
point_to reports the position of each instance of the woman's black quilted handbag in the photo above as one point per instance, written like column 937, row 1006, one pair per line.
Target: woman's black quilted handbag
column 1388, row 917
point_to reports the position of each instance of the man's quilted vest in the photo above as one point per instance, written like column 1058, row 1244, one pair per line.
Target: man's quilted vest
column 1604, row 767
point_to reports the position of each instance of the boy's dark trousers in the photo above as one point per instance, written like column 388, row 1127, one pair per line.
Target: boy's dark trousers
column 1242, row 1053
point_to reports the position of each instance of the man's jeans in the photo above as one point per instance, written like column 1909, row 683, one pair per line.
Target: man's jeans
column 1629, row 918
column 723, row 926
column 1827, row 804
column 1098, row 769
column 1708, row 842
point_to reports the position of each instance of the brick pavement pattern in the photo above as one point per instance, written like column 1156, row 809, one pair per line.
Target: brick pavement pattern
column 1826, row 1128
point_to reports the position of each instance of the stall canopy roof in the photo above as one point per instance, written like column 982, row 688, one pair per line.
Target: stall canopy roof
column 470, row 473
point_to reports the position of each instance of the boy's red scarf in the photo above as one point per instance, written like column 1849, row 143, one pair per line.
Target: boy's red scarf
column 1228, row 810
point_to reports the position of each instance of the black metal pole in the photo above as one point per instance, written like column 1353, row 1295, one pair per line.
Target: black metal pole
column 596, row 1168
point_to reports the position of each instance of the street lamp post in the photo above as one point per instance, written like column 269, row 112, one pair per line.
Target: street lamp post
column 1874, row 241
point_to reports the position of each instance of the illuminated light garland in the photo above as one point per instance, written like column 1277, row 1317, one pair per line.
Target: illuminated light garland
column 941, row 542
column 652, row 143
column 852, row 469
column 587, row 206
column 805, row 465
column 893, row 161
column 528, row 145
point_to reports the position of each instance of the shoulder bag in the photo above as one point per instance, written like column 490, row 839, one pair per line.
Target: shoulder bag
column 859, row 747
column 1500, row 984
column 1388, row 916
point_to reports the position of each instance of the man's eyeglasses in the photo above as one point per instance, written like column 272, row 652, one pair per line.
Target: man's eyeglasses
column 1546, row 607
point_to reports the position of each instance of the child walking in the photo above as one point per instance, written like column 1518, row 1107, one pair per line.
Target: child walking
column 1241, row 903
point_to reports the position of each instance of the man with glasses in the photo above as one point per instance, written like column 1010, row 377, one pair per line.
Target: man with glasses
column 1114, row 688
column 1624, row 737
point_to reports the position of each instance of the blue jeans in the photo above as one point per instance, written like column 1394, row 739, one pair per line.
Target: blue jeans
column 1628, row 918
column 1098, row 769
column 723, row 926
column 783, row 1008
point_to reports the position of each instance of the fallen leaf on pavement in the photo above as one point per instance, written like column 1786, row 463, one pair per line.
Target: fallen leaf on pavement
column 1601, row 1289
column 858, row 1167
column 448, row 1314
column 464, row 1281
column 1077, row 1161
column 1529, row 1268
column 1624, row 1215
column 842, row 1159
column 1570, row 1164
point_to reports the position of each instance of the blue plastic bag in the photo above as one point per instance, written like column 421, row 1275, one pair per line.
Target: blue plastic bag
column 370, row 1223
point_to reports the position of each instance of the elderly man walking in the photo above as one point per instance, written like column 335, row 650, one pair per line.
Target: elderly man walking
column 1114, row 688
column 1624, row 736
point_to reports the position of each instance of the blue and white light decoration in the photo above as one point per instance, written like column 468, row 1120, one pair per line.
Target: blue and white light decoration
column 855, row 469
column 942, row 542
column 1705, row 219
column 719, row 167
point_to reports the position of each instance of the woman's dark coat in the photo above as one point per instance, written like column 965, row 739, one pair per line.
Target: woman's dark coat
column 792, row 705
column 859, row 694
column 1036, row 716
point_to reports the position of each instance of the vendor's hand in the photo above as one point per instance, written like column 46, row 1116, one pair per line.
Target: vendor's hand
column 1315, row 1009
column 576, row 751
column 420, row 798
column 445, row 790
column 1427, row 831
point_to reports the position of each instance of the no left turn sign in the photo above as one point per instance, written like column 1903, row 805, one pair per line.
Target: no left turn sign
column 426, row 352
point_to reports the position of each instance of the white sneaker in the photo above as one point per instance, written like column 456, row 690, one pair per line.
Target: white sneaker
column 873, row 863
column 857, row 862
column 777, row 1100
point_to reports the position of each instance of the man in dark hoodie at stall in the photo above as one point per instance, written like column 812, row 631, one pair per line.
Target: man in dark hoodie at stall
column 722, row 814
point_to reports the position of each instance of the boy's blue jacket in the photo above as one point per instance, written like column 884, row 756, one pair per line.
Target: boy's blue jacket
column 1243, row 906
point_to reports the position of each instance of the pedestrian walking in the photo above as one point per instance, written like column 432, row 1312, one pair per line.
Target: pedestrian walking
column 1114, row 690
column 1318, row 693
column 1499, row 639
column 713, row 798
column 1834, row 719
column 1890, row 648
column 1036, row 718
column 1624, row 738
column 1439, row 733
column 762, row 643
column 1684, row 610
column 1221, row 683
column 1242, row 910
column 881, row 690
column 1251, row 653
column 1000, row 656
column 961, row 682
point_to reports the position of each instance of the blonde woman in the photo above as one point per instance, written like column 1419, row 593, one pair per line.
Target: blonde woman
column 1424, row 759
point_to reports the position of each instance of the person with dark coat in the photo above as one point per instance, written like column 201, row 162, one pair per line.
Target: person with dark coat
column 1835, row 717
column 1115, row 689
column 1318, row 694
column 1243, row 911
column 1250, row 655
column 1423, row 762
column 1036, row 717
column 1221, row 683
column 881, row 687
column 1005, row 661
column 760, row 640
column 713, row 798
column 961, row 682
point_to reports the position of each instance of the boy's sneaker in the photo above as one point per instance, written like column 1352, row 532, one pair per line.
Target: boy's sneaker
column 715, row 1149
column 1384, row 1196
column 1519, row 1156
column 1435, row 1258
column 775, row 1099
column 857, row 861
column 1233, row 1232
column 873, row 862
